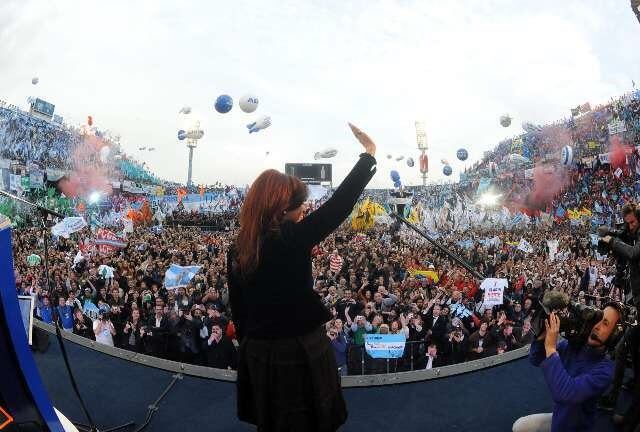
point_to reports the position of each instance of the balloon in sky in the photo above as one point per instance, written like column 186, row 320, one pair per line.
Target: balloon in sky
column 185, row 110
column 462, row 154
column 447, row 170
column 35, row 80
column 260, row 124
column 444, row 162
column 142, row 148
column 505, row 120
column 395, row 178
column 90, row 120
column 151, row 148
column 399, row 158
column 410, row 162
column 182, row 134
column 566, row 157
column 224, row 103
column 389, row 156
column 248, row 103
column 325, row 154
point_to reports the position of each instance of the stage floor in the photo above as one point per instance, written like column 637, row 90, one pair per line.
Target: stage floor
column 117, row 391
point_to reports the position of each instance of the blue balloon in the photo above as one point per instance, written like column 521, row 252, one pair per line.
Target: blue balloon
column 224, row 103
column 395, row 177
column 447, row 170
column 462, row 154
column 181, row 134
column 397, row 184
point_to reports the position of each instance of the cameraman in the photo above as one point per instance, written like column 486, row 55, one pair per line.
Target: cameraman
column 575, row 374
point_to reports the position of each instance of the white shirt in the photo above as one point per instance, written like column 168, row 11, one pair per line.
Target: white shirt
column 104, row 336
column 429, row 362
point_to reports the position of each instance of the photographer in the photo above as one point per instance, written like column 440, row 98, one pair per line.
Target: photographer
column 103, row 329
column 576, row 375
column 626, row 248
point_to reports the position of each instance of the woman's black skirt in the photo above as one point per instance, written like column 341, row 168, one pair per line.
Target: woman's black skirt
column 287, row 385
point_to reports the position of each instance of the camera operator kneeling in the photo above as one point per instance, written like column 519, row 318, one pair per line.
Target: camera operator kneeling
column 576, row 374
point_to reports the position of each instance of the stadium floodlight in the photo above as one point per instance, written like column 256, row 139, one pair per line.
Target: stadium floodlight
column 94, row 197
column 488, row 199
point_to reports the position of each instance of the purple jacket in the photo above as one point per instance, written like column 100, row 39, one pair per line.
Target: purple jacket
column 576, row 378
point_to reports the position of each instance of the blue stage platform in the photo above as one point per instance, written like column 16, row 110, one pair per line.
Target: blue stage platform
column 118, row 390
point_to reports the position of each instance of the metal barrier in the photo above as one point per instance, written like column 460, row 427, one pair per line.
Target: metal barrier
column 392, row 375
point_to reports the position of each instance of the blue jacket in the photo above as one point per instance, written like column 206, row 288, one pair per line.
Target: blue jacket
column 340, row 349
column 576, row 378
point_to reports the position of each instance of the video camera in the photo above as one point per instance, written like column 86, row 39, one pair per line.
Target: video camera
column 576, row 320
column 603, row 231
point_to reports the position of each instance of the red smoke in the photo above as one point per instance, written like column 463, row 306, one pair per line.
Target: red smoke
column 617, row 153
column 547, row 182
column 89, row 174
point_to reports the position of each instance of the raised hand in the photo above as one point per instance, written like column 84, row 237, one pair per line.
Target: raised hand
column 365, row 140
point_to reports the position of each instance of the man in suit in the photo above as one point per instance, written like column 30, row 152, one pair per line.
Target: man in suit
column 433, row 361
column 157, row 332
column 436, row 326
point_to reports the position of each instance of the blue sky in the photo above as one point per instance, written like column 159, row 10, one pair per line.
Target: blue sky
column 315, row 65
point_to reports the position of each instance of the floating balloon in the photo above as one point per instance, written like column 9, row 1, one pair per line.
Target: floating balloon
column 566, row 156
column 325, row 154
column 142, row 148
column 462, row 154
column 185, row 110
column 530, row 127
column 151, row 148
column 389, row 156
column 248, row 103
column 444, row 162
column 410, row 162
column 35, row 80
column 224, row 103
column 395, row 178
column 399, row 158
column 505, row 120
column 260, row 124
column 90, row 121
column 267, row 153
column 182, row 134
column 447, row 170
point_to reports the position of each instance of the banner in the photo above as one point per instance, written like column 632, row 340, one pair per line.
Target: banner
column 493, row 291
column 604, row 158
column 553, row 249
column 90, row 310
column 525, row 246
column 616, row 127
column 107, row 241
column 384, row 346
column 68, row 226
column 177, row 276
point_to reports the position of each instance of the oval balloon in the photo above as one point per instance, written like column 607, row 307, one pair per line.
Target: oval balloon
column 395, row 177
column 224, row 103
column 35, row 80
column 444, row 162
column 424, row 164
column 399, row 158
column 182, row 134
column 185, row 110
column 447, row 170
column 410, row 162
column 462, row 154
column 505, row 120
column 248, row 103
column 566, row 156
column 389, row 156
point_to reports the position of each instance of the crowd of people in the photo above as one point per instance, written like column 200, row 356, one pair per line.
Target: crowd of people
column 382, row 280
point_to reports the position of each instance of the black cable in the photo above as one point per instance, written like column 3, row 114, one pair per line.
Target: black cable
column 154, row 406
column 443, row 249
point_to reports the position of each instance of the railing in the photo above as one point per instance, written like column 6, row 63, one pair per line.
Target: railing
column 383, row 378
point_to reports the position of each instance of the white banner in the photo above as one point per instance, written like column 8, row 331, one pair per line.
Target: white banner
column 525, row 246
column 68, row 226
column 493, row 291
column 604, row 158
column 553, row 249
column 616, row 127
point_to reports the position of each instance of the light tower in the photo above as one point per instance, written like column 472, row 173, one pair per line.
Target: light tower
column 193, row 135
column 421, row 140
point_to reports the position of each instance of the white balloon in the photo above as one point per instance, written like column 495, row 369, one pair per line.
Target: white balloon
column 399, row 158
column 35, row 80
column 185, row 110
column 325, row 154
column 248, row 103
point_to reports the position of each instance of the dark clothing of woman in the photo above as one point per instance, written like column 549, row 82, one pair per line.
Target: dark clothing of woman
column 287, row 373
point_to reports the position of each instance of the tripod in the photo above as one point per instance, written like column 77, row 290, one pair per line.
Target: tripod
column 44, row 212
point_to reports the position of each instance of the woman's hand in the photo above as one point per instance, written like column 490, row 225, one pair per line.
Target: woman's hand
column 365, row 140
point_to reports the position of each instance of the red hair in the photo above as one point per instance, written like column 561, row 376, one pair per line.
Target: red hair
column 269, row 197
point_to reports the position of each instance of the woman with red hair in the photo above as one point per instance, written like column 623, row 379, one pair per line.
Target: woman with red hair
column 287, row 374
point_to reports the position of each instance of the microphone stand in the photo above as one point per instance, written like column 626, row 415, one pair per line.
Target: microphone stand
column 440, row 247
column 44, row 213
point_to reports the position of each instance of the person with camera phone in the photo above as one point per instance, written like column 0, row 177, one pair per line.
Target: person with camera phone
column 576, row 373
column 103, row 329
